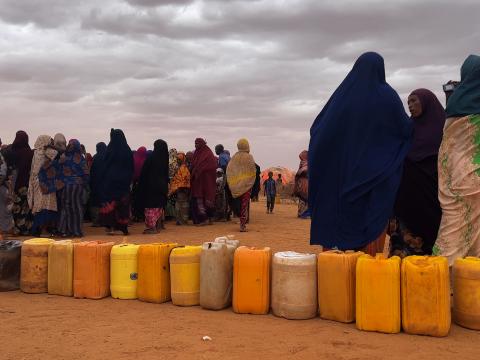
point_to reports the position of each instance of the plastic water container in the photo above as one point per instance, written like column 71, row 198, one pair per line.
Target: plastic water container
column 216, row 275
column 336, row 285
column 124, row 271
column 185, row 275
column 229, row 240
column 378, row 294
column 154, row 272
column 251, row 280
column 60, row 268
column 10, row 258
column 466, row 292
column 91, row 269
column 34, row 266
column 294, row 285
column 426, row 295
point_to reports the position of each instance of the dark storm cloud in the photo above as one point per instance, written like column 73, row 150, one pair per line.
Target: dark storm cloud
column 221, row 69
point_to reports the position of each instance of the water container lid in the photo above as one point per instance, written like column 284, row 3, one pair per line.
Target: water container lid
column 293, row 255
column 10, row 245
column 213, row 245
column 39, row 241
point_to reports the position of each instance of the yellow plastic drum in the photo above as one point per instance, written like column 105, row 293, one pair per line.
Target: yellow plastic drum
column 466, row 292
column 185, row 275
column 124, row 271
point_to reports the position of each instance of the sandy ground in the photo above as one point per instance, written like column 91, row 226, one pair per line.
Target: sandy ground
column 54, row 327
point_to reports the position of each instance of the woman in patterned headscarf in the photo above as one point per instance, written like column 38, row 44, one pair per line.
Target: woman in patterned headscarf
column 73, row 176
column 60, row 143
column 180, row 187
column 42, row 202
column 172, row 170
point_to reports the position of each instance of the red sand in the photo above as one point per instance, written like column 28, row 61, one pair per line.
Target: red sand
column 54, row 327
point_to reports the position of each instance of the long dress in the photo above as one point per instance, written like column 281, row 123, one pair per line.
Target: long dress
column 417, row 209
column 43, row 205
column 153, row 186
column 241, row 175
column 22, row 156
column 180, row 187
column 115, row 211
column 73, row 179
column 203, row 182
column 459, row 169
column 459, row 189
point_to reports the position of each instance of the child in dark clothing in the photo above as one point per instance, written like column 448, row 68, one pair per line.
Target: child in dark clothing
column 270, row 191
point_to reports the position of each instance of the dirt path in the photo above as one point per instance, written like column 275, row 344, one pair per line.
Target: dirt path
column 54, row 327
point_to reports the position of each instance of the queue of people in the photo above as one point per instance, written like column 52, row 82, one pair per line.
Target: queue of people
column 50, row 189
column 373, row 170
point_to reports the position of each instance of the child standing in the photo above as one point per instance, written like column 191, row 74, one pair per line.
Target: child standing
column 270, row 191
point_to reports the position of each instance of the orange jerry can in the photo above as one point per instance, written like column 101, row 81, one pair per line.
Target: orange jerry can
column 251, row 280
column 91, row 269
column 336, row 285
column 426, row 295
column 154, row 272
column 378, row 294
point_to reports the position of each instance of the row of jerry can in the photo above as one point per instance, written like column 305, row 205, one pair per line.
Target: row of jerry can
column 379, row 294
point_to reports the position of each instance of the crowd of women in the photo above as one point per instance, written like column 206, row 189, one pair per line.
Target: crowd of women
column 50, row 189
column 373, row 170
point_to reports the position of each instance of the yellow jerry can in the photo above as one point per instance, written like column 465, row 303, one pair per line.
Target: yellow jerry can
column 378, row 294
column 124, row 271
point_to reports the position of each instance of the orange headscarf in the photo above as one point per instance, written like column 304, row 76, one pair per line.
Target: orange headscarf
column 181, row 178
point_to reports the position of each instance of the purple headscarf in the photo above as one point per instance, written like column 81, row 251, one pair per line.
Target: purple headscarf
column 428, row 127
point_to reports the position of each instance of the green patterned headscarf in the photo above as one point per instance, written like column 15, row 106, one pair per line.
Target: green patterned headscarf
column 465, row 100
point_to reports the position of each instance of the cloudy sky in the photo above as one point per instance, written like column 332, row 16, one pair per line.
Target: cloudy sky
column 217, row 69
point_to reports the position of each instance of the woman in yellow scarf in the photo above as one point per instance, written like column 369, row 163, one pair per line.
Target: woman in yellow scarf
column 241, row 173
column 180, row 186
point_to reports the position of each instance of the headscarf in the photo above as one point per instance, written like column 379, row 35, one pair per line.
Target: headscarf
column 301, row 177
column 256, row 184
column 465, row 100
column 139, row 158
column 241, row 170
column 42, row 153
column 96, row 174
column 118, row 167
column 43, row 165
column 181, row 180
column 223, row 156
column 204, row 166
column 358, row 144
column 172, row 162
column 428, row 127
column 73, row 167
column 189, row 159
column 22, row 155
column 153, row 182
column 60, row 143
column 89, row 160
